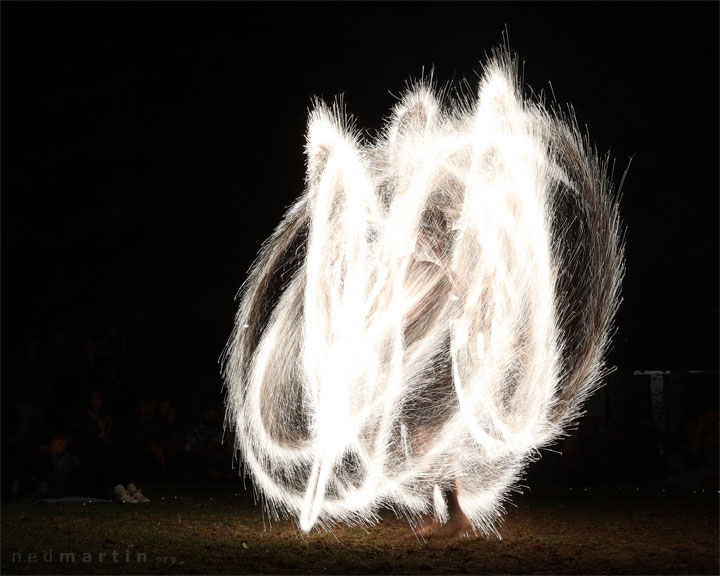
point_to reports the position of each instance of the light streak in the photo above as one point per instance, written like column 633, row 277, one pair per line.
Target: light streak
column 431, row 312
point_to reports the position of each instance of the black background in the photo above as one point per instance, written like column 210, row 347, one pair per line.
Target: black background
column 149, row 148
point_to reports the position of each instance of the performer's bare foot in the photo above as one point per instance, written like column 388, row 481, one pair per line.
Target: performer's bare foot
column 453, row 527
column 456, row 525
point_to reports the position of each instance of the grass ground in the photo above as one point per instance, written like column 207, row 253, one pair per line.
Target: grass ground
column 217, row 529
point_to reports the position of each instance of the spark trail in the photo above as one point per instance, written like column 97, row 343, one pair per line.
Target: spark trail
column 429, row 313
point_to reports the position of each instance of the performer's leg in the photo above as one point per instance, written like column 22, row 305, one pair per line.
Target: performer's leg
column 458, row 523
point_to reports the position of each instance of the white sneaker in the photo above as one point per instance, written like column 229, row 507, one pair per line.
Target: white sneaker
column 122, row 495
column 136, row 495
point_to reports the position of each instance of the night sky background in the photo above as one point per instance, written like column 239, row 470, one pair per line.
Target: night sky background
column 148, row 149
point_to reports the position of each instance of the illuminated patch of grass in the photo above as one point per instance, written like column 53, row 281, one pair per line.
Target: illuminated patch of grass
column 217, row 529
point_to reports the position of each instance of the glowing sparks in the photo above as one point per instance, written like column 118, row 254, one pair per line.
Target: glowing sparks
column 432, row 311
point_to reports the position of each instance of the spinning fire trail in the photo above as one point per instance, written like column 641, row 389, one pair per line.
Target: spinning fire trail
column 429, row 313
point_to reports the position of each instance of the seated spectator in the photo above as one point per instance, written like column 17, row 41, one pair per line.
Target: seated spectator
column 208, row 455
column 142, row 443
column 171, row 437
column 91, row 438
column 30, row 391
column 53, row 473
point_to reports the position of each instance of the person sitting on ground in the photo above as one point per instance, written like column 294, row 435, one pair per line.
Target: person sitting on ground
column 142, row 443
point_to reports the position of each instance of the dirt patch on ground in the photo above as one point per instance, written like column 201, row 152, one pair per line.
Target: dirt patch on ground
column 217, row 529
